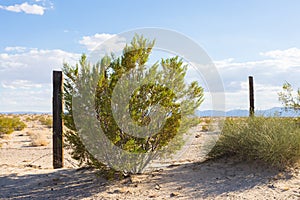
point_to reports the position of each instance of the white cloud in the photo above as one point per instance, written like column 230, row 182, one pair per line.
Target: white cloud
column 283, row 54
column 265, row 97
column 26, row 8
column 33, row 63
column 269, row 72
column 17, row 49
column 91, row 42
column 110, row 42
column 26, row 77
column 34, row 99
column 20, row 84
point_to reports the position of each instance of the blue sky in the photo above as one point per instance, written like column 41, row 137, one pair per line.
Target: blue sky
column 251, row 37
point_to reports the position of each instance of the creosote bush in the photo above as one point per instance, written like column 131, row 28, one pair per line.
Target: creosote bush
column 165, row 88
column 273, row 140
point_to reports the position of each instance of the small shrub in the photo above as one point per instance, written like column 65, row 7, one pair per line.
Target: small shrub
column 46, row 121
column 10, row 124
column 17, row 124
column 275, row 141
column 205, row 128
column 28, row 118
column 38, row 139
column 207, row 121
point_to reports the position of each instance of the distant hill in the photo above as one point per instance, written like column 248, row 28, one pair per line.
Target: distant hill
column 276, row 111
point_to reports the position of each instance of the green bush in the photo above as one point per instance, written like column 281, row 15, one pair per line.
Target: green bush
column 275, row 141
column 10, row 124
column 142, row 104
column 205, row 128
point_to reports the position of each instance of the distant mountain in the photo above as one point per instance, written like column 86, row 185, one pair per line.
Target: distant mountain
column 276, row 111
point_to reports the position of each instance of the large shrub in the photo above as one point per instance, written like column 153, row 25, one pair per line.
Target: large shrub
column 162, row 101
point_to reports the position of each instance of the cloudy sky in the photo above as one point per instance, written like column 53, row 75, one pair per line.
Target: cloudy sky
column 251, row 37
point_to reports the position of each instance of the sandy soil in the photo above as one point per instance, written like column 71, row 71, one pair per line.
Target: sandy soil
column 26, row 173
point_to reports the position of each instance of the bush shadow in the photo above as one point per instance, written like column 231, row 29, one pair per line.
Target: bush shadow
column 60, row 184
column 217, row 177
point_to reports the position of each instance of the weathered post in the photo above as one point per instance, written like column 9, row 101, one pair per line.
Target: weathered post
column 251, row 96
column 57, row 119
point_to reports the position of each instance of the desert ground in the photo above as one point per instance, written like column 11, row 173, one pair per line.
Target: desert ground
column 26, row 172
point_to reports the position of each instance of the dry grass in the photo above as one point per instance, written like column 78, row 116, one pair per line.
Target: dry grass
column 275, row 141
column 38, row 139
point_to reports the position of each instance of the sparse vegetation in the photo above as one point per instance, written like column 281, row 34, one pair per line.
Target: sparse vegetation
column 28, row 118
column 9, row 124
column 275, row 141
column 209, row 123
column 205, row 128
column 38, row 139
column 46, row 121
column 207, row 120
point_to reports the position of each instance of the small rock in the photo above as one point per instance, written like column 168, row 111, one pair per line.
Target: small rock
column 159, row 170
column 271, row 186
column 280, row 175
column 157, row 187
column 179, row 188
column 174, row 194
column 120, row 191
column 126, row 181
column 285, row 189
column 116, row 191
column 153, row 196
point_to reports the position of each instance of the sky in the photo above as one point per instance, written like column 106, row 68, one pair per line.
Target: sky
column 242, row 38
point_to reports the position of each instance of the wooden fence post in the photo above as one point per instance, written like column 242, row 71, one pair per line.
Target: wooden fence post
column 57, row 119
column 251, row 96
